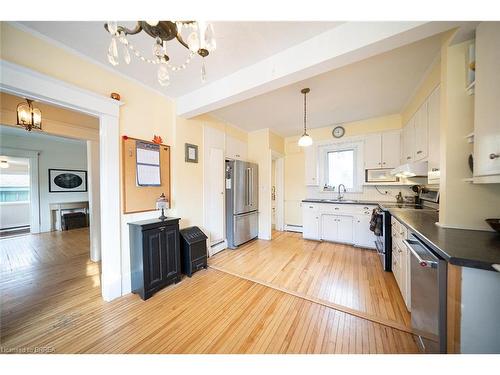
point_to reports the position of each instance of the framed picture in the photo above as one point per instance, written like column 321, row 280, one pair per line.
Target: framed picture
column 67, row 180
column 191, row 153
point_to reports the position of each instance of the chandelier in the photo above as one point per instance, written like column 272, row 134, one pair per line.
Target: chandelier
column 305, row 140
column 28, row 116
column 200, row 41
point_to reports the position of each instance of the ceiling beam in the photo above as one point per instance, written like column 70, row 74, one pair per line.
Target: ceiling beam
column 340, row 46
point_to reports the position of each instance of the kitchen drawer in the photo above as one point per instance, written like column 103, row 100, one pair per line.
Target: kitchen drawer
column 310, row 206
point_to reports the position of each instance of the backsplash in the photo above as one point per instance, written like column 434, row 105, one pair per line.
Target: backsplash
column 370, row 193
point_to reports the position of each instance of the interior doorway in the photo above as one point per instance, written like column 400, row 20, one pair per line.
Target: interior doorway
column 15, row 196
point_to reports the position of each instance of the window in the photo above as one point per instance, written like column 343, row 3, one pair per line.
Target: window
column 340, row 168
column 341, row 163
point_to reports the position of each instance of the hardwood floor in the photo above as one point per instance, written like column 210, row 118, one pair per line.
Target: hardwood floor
column 53, row 301
column 338, row 275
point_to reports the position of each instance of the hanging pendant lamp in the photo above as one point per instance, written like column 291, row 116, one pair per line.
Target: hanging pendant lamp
column 305, row 140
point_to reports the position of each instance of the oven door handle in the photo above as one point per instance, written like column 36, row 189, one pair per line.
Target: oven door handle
column 428, row 263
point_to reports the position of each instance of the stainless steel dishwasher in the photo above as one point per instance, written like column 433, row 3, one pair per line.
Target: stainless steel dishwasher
column 428, row 296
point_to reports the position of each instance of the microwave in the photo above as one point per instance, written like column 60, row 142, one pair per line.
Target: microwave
column 380, row 175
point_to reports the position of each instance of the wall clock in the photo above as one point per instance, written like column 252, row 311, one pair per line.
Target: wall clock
column 338, row 131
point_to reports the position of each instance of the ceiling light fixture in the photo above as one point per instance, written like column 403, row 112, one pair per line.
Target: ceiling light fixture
column 200, row 40
column 305, row 140
column 4, row 164
column 28, row 116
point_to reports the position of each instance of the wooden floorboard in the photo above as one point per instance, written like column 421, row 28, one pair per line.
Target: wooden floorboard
column 337, row 275
column 51, row 298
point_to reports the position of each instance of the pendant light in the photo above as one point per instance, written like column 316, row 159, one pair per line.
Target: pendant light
column 305, row 140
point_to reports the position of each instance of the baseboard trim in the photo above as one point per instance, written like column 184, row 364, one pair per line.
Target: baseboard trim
column 344, row 309
column 293, row 228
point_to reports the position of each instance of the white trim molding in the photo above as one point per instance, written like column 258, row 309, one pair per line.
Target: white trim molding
column 22, row 81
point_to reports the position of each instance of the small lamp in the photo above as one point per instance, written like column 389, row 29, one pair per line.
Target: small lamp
column 162, row 203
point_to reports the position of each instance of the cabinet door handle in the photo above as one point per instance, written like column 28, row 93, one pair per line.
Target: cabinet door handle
column 408, row 157
column 383, row 163
column 435, row 169
column 494, row 156
column 419, row 152
column 335, row 208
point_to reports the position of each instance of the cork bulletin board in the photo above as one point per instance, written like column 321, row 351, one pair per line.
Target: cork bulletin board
column 142, row 198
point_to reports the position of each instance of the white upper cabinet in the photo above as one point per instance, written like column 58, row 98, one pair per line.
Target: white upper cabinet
column 487, row 107
column 373, row 147
column 433, row 105
column 421, row 132
column 235, row 148
column 382, row 150
column 409, row 141
column 311, row 166
column 391, row 149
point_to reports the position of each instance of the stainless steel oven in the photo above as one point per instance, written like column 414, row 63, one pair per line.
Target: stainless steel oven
column 383, row 239
column 428, row 295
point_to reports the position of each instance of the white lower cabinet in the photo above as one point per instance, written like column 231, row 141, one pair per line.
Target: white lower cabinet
column 337, row 228
column 363, row 236
column 401, row 261
column 310, row 221
column 343, row 223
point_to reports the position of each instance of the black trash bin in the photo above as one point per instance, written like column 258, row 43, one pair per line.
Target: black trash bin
column 193, row 250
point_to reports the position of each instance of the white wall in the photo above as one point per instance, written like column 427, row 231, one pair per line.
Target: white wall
column 55, row 152
column 14, row 214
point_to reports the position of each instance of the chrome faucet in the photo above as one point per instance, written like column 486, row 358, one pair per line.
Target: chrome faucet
column 341, row 194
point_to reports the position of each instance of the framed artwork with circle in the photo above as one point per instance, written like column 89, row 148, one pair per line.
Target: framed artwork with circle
column 67, row 181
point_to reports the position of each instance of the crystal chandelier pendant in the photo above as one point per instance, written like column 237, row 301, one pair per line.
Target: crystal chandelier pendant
column 210, row 43
column 203, row 72
column 163, row 77
column 112, row 27
column 193, row 42
column 113, row 52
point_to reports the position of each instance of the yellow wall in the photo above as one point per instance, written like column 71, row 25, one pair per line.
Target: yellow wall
column 429, row 83
column 462, row 204
column 295, row 189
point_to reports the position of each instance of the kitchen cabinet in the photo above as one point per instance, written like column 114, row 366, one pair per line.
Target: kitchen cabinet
column 408, row 154
column 433, row 111
column 391, row 149
column 401, row 260
column 337, row 228
column 382, row 150
column 236, row 149
column 310, row 221
column 421, row 132
column 363, row 236
column 311, row 166
column 487, row 110
column 154, row 255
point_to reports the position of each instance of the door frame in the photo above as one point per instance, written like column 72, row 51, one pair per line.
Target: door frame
column 21, row 81
column 280, row 190
column 32, row 157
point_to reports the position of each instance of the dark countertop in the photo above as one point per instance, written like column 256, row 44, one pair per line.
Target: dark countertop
column 347, row 201
column 168, row 220
column 461, row 247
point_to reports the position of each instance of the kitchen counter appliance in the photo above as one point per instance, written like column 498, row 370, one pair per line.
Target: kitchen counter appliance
column 242, row 202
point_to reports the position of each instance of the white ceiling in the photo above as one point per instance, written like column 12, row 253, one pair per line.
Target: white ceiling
column 378, row 86
column 239, row 44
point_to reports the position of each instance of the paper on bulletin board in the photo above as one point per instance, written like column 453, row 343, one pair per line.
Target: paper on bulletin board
column 148, row 175
column 148, row 164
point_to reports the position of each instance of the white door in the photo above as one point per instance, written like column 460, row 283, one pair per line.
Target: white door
column 311, row 169
column 280, row 193
column 391, row 149
column 364, row 237
column 433, row 104
column 421, row 130
column 345, row 229
column 409, row 141
column 486, row 99
column 215, row 182
column 373, row 146
column 329, row 227
column 310, row 222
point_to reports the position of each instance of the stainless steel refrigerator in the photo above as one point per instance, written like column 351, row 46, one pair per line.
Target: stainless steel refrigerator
column 242, row 202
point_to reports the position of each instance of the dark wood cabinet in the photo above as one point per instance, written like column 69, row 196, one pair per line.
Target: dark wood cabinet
column 154, row 255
